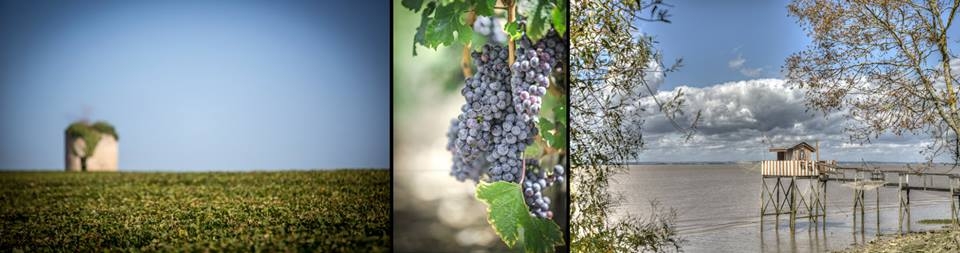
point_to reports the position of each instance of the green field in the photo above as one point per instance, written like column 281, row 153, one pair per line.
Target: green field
column 344, row 210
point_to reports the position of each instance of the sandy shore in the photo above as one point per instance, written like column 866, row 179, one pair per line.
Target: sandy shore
column 946, row 240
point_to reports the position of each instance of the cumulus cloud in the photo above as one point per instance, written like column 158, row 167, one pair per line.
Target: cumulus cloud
column 939, row 82
column 654, row 75
column 955, row 66
column 741, row 120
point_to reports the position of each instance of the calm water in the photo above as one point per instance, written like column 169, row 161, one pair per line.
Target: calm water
column 718, row 210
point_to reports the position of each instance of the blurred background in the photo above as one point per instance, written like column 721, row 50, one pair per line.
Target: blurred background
column 433, row 212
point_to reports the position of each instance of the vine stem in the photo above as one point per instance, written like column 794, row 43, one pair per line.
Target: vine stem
column 465, row 56
column 511, row 16
column 523, row 172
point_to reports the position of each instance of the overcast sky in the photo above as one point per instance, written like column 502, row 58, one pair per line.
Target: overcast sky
column 198, row 85
column 732, row 53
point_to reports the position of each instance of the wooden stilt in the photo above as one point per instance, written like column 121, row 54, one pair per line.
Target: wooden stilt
column 793, row 203
column 777, row 204
column 900, row 203
column 854, row 213
column 857, row 201
column 824, row 208
column 763, row 204
column 954, row 201
column 878, row 211
column 809, row 199
column 858, row 206
column 863, row 217
column 907, row 205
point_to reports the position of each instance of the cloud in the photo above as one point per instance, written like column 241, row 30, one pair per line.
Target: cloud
column 939, row 82
column 738, row 64
column 740, row 120
column 654, row 75
column 955, row 67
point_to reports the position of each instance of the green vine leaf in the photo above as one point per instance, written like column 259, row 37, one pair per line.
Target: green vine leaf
column 541, row 235
column 559, row 15
column 547, row 131
column 553, row 120
column 505, row 208
column 465, row 34
column 560, row 124
column 442, row 24
column 546, row 125
column 413, row 5
column 420, row 37
column 537, row 26
column 512, row 221
column 476, row 44
column 533, row 150
column 484, row 7
column 447, row 22
column 513, row 29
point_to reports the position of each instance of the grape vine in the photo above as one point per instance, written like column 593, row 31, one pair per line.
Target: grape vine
column 510, row 135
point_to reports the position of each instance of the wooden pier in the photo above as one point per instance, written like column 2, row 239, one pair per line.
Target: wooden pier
column 781, row 194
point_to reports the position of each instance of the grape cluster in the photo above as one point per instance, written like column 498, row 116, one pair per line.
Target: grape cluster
column 531, row 71
column 535, row 182
column 554, row 45
column 462, row 170
column 499, row 119
column 487, row 101
column 511, row 137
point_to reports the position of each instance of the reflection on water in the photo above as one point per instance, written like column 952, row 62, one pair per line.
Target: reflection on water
column 719, row 210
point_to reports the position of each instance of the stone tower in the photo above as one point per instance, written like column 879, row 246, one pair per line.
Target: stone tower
column 104, row 156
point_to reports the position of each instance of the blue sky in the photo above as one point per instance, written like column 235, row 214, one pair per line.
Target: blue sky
column 733, row 53
column 708, row 35
column 198, row 85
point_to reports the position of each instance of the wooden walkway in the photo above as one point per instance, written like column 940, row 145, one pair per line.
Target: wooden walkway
column 785, row 197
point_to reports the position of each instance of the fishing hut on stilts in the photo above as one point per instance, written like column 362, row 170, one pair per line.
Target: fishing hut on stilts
column 781, row 194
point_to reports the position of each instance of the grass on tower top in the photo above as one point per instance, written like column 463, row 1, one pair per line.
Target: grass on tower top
column 91, row 133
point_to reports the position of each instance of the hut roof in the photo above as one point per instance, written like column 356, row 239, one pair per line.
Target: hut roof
column 802, row 145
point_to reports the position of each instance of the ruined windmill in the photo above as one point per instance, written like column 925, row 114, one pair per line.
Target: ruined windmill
column 91, row 147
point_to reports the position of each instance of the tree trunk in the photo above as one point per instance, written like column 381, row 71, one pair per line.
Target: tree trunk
column 83, row 164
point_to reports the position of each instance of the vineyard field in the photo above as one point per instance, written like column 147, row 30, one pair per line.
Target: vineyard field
column 329, row 211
